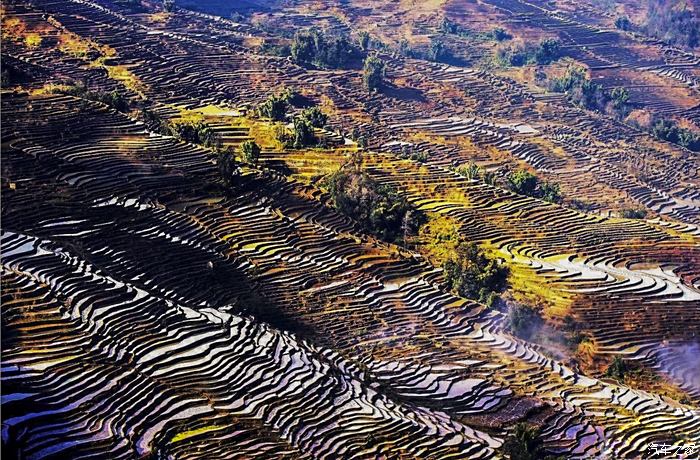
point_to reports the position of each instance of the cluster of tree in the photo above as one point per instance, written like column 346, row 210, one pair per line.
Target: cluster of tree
column 274, row 49
column 519, row 54
column 452, row 28
column 378, row 208
column 229, row 168
column 633, row 213
column 585, row 93
column 315, row 48
column 526, row 444
column 438, row 52
column 169, row 5
column 524, row 321
column 623, row 23
column 250, row 152
column 275, row 107
column 420, row 156
column 10, row 75
column 302, row 134
column 471, row 274
column 526, row 183
column 473, row 172
column 668, row 130
column 194, row 131
column 672, row 22
column 617, row 369
column 113, row 99
column 373, row 73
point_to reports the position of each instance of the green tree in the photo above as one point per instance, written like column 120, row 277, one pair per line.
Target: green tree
column 437, row 50
column 315, row 117
column 471, row 274
column 373, row 73
column 250, row 151
column 470, row 171
column 523, row 182
column 274, row 107
column 378, row 208
column 363, row 39
column 524, row 444
column 617, row 369
column 619, row 96
column 547, row 51
column 623, row 23
column 303, row 135
column 228, row 168
column 550, row 192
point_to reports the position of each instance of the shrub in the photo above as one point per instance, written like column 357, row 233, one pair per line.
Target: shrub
column 470, row 171
column 623, row 23
column 519, row 54
column 633, row 213
column 438, row 51
column 524, row 444
column 228, row 168
column 550, row 192
column 617, row 369
column 373, row 73
column 471, row 274
column 315, row 48
column 672, row 22
column 668, row 130
column 250, row 151
column 315, row 117
column 524, row 321
column 363, row 40
column 196, row 132
column 274, row 107
column 303, row 134
column 378, row 208
column 499, row 34
column 523, row 182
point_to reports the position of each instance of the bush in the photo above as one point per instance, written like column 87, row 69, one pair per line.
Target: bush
column 668, row 130
column 315, row 117
column 274, row 107
column 633, row 213
column 196, row 132
column 228, row 168
column 499, row 34
column 617, row 369
column 113, row 99
column 250, row 151
column 373, row 73
column 672, row 22
column 470, row 171
column 315, row 48
column 623, row 23
column 363, row 40
column 471, row 274
column 523, row 182
column 524, row 321
column 524, row 444
column 378, row 208
column 519, row 54
column 583, row 92
column 438, row 51
column 550, row 192
column 303, row 135
column 274, row 49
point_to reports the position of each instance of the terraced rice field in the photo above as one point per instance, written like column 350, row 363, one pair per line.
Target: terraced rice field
column 148, row 311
